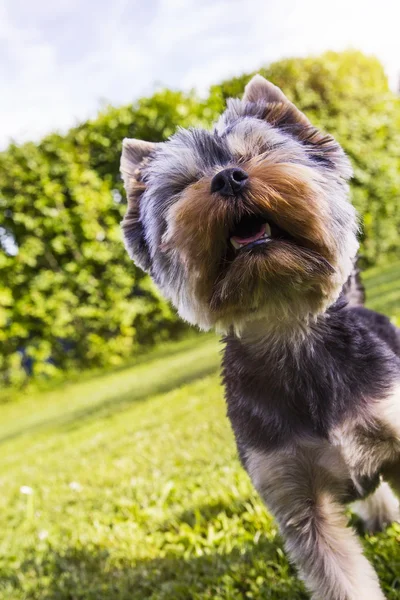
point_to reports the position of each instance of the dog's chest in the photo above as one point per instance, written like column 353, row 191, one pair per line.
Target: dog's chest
column 277, row 396
column 271, row 402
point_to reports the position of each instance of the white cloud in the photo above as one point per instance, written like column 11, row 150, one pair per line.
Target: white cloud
column 57, row 60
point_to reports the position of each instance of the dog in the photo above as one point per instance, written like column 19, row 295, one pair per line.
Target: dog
column 248, row 229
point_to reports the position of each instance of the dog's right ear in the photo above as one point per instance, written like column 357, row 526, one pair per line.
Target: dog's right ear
column 282, row 113
column 135, row 155
column 261, row 90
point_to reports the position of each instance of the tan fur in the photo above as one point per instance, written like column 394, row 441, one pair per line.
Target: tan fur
column 279, row 273
column 197, row 230
column 294, row 197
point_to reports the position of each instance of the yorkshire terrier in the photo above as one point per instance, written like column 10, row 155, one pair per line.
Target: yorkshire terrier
column 248, row 229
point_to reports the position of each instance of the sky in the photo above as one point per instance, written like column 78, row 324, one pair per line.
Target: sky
column 60, row 61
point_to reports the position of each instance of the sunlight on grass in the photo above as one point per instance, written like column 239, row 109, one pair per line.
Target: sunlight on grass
column 127, row 486
column 383, row 290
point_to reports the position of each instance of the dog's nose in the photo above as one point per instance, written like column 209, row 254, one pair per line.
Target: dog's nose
column 229, row 182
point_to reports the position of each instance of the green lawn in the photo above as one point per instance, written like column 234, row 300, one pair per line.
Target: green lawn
column 137, row 492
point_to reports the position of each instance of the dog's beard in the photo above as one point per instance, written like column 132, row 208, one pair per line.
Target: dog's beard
column 293, row 268
column 276, row 272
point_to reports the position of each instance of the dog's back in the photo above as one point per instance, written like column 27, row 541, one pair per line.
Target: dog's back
column 354, row 292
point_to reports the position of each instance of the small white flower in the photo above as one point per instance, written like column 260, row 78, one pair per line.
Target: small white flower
column 43, row 534
column 74, row 485
column 25, row 489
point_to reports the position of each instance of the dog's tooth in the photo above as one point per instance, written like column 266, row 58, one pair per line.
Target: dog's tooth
column 235, row 244
column 267, row 230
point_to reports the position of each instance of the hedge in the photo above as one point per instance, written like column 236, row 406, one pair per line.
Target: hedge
column 70, row 297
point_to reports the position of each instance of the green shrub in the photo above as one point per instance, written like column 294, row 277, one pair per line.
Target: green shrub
column 69, row 295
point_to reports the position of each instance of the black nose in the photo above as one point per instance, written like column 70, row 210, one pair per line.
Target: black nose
column 229, row 182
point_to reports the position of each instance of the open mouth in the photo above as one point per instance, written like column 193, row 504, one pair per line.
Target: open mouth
column 253, row 231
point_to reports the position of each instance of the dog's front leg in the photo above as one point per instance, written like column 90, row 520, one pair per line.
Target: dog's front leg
column 301, row 495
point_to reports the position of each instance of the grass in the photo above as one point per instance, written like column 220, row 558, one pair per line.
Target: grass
column 383, row 290
column 137, row 492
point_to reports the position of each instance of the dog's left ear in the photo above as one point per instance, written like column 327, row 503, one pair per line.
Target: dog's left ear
column 135, row 155
column 282, row 113
column 261, row 90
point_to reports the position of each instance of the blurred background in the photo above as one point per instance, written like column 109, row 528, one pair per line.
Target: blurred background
column 118, row 470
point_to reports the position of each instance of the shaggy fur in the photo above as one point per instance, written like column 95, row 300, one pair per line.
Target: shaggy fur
column 312, row 378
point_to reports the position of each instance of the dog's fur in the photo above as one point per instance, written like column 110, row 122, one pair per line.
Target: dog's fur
column 312, row 378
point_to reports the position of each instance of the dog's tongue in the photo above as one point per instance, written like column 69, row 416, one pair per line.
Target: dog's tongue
column 251, row 238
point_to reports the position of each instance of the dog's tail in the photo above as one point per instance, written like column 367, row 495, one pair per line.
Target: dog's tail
column 353, row 289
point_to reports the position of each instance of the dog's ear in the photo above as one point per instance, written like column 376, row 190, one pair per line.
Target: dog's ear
column 135, row 155
column 260, row 90
column 282, row 113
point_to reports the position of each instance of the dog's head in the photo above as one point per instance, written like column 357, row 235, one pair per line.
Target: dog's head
column 250, row 220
